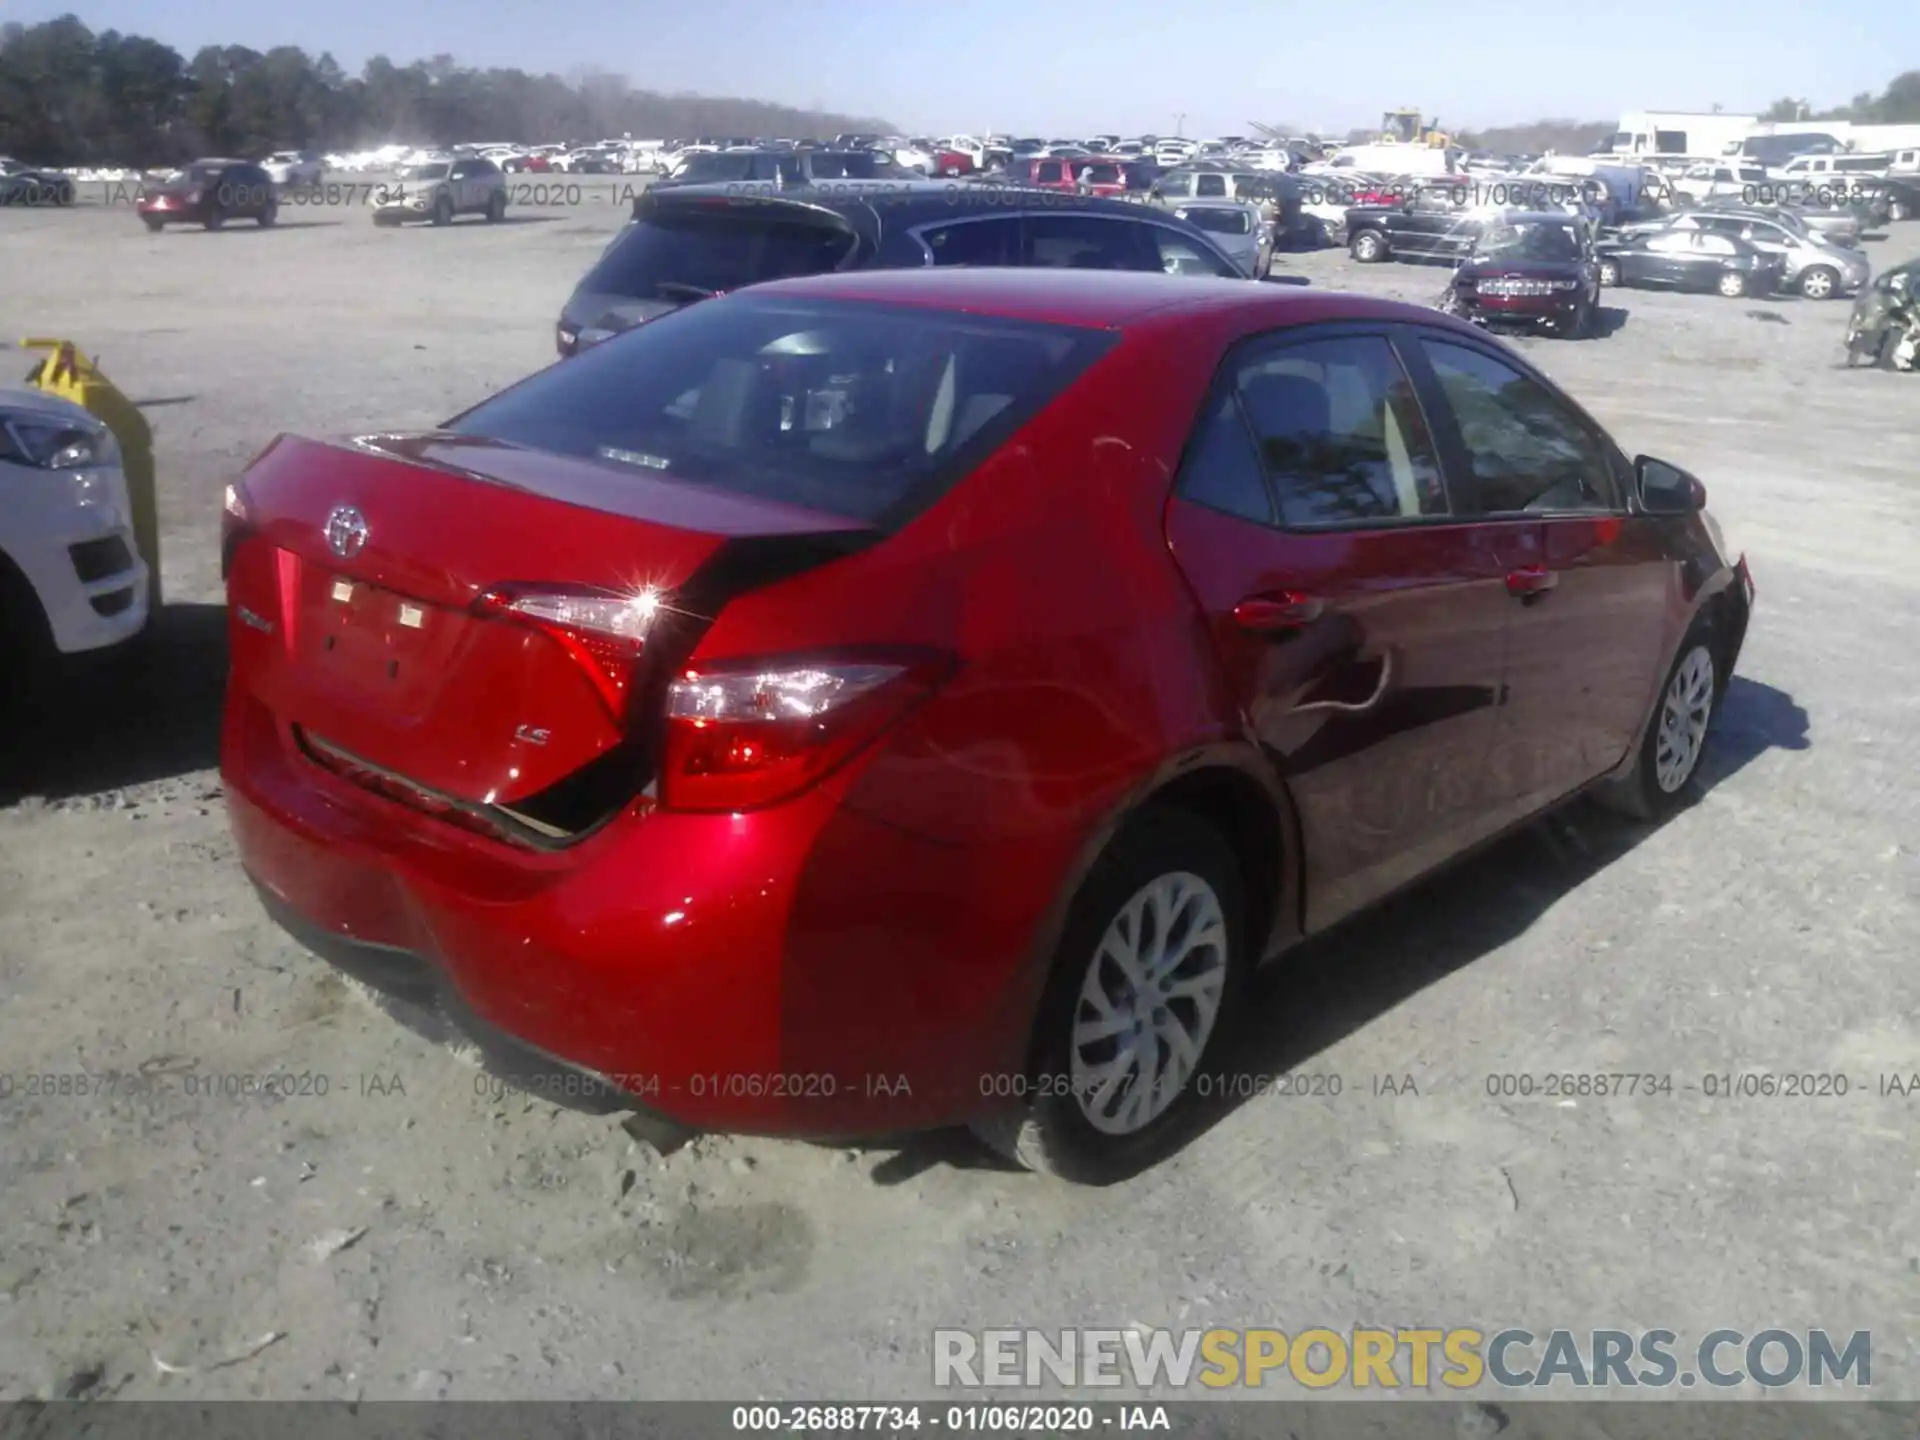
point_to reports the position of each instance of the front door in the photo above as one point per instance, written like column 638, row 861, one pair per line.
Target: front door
column 1358, row 620
column 1589, row 611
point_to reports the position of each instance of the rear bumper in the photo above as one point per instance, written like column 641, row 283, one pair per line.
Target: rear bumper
column 799, row 971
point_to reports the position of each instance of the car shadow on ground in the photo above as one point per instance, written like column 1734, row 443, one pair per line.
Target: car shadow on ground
column 1348, row 977
column 1607, row 320
column 1351, row 975
column 137, row 718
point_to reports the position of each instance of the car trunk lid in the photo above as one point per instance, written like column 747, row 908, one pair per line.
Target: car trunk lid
column 379, row 617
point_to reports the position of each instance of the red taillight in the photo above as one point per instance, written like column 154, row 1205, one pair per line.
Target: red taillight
column 741, row 737
column 236, row 523
column 603, row 631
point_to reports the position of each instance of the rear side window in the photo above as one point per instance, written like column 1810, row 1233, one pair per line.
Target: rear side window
column 1340, row 434
column 713, row 253
column 852, row 409
column 1222, row 469
column 1178, row 254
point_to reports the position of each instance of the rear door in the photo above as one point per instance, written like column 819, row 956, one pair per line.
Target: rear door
column 1359, row 620
column 1667, row 260
column 1587, row 609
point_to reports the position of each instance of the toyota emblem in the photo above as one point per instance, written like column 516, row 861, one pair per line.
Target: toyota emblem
column 346, row 531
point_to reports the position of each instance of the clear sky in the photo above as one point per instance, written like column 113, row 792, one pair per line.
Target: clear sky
column 1128, row 65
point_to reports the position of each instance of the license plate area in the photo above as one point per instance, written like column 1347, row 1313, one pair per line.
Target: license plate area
column 368, row 640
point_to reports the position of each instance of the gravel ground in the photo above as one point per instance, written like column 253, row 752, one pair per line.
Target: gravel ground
column 417, row 1233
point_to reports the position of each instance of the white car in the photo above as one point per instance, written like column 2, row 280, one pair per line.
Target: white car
column 290, row 167
column 72, row 582
column 911, row 157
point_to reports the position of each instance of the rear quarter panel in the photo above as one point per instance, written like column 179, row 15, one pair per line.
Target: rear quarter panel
column 1084, row 666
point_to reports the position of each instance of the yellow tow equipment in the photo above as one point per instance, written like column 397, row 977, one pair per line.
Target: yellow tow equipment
column 72, row 376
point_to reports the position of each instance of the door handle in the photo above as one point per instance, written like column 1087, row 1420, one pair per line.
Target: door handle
column 1282, row 611
column 1356, row 707
column 1529, row 582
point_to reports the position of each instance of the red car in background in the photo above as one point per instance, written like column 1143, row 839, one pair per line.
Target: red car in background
column 910, row 698
column 1101, row 176
column 1048, row 172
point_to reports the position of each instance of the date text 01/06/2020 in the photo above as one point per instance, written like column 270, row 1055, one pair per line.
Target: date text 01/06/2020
column 1001, row 1418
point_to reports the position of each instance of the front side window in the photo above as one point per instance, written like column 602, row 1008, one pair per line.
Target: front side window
column 1529, row 453
column 1341, row 434
column 852, row 409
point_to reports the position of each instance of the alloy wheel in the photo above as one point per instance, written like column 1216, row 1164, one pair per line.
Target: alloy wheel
column 1149, row 1003
column 1817, row 285
column 1684, row 714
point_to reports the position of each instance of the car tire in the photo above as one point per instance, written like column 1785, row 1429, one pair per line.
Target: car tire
column 496, row 207
column 1609, row 273
column 1732, row 284
column 270, row 214
column 1896, row 211
column 1819, row 282
column 156, row 226
column 1666, row 772
column 443, row 211
column 1369, row 247
column 28, row 660
column 1163, row 857
column 214, row 220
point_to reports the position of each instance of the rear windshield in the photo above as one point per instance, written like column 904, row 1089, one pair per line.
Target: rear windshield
column 705, row 167
column 856, row 409
column 425, row 172
column 1221, row 222
column 1101, row 175
column 711, row 253
column 860, row 165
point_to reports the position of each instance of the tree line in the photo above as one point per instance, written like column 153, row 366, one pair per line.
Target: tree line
column 69, row 96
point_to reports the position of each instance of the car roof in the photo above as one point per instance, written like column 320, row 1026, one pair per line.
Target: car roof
column 883, row 202
column 1092, row 299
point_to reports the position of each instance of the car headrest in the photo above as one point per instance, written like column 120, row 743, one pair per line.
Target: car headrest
column 1287, row 407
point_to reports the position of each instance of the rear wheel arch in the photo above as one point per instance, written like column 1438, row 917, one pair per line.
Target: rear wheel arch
column 1258, row 823
column 1227, row 787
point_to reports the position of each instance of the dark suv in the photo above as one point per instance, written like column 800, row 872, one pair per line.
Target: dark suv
column 210, row 193
column 786, row 167
column 688, row 243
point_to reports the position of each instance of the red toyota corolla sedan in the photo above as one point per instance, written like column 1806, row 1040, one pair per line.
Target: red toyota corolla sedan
column 902, row 699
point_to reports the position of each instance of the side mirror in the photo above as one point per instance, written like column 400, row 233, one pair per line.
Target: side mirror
column 1667, row 489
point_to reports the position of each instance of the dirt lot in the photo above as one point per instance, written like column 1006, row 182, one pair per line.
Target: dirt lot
column 415, row 1233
